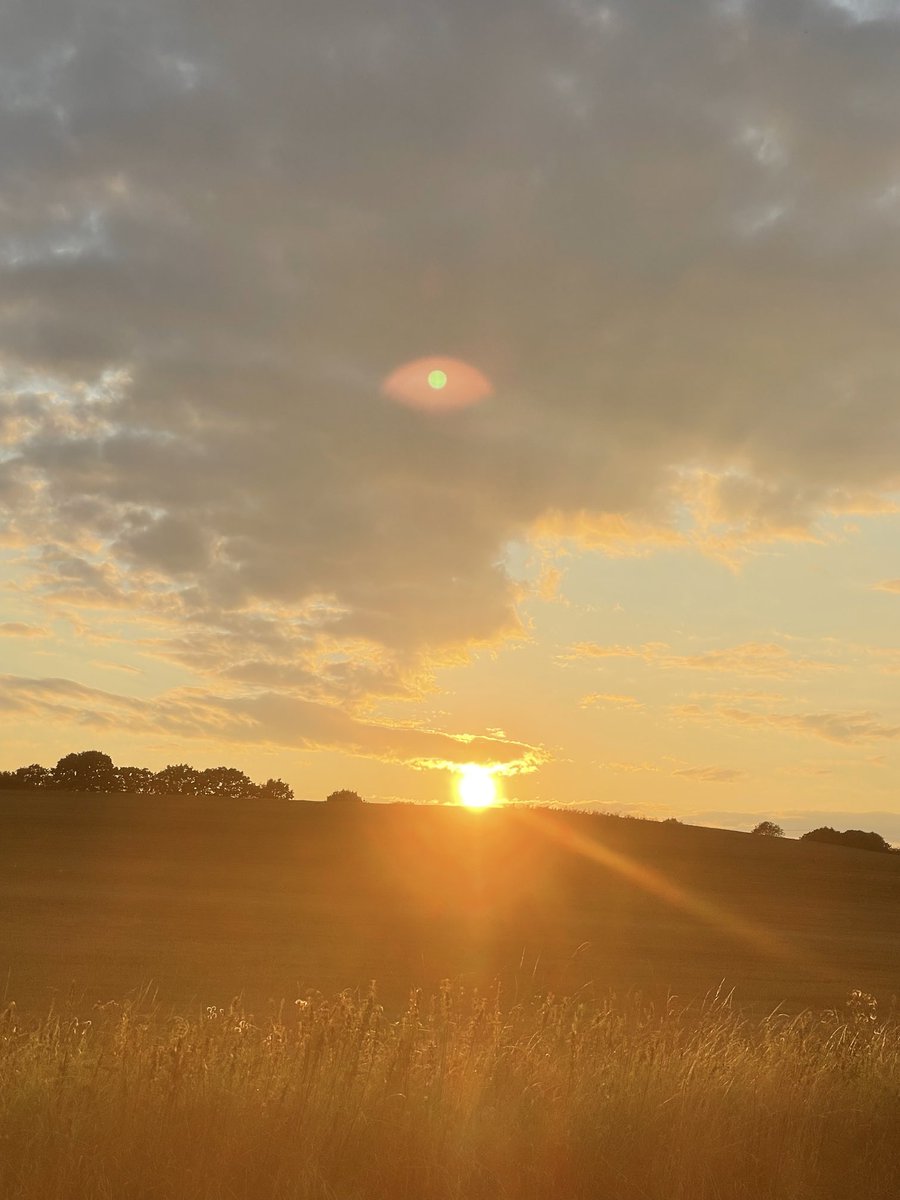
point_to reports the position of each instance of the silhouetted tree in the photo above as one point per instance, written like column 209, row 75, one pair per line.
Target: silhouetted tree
column 177, row 779
column 855, row 838
column 85, row 771
column 768, row 829
column 136, row 781
column 226, row 782
column 344, row 796
column 93, row 771
column 276, row 789
column 27, row 778
column 863, row 840
column 824, row 833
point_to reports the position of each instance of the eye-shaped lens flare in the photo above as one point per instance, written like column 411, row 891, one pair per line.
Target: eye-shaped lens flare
column 437, row 384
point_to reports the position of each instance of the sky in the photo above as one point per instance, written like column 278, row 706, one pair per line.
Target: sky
column 647, row 562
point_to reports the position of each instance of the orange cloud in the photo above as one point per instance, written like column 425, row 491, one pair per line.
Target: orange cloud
column 617, row 534
column 18, row 629
column 596, row 650
column 609, row 699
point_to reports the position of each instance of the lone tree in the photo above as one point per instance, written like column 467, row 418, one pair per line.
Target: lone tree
column 344, row 796
column 86, row 771
column 768, row 829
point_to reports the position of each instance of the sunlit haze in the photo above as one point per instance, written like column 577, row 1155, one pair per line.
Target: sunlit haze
column 401, row 397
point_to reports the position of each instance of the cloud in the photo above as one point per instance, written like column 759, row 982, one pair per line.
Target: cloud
column 749, row 658
column 888, row 585
column 596, row 650
column 842, row 728
column 115, row 666
column 710, row 774
column 670, row 248
column 616, row 534
column 695, row 774
column 19, row 629
column 625, row 767
column 609, row 700
column 267, row 719
column 865, row 11
column 732, row 510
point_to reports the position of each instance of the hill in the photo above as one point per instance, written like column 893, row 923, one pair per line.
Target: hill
column 207, row 899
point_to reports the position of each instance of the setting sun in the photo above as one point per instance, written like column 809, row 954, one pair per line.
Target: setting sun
column 476, row 787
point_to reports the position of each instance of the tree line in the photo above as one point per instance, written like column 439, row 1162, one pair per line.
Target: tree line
column 94, row 771
column 857, row 839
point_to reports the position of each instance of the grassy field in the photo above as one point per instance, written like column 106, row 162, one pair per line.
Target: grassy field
column 205, row 900
column 457, row 1098
column 581, row 1045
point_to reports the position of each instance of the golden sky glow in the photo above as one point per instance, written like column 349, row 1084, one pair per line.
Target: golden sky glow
column 532, row 418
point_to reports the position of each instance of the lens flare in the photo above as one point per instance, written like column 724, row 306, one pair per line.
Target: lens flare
column 437, row 384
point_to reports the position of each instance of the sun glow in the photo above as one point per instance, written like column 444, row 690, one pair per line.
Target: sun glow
column 476, row 786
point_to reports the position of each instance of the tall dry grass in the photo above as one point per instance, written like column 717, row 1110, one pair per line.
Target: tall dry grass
column 462, row 1097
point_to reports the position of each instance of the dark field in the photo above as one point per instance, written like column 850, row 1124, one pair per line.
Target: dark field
column 103, row 894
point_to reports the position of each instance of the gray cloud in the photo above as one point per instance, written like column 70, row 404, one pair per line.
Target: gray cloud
column 666, row 233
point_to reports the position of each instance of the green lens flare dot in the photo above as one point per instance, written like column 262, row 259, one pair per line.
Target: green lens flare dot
column 437, row 380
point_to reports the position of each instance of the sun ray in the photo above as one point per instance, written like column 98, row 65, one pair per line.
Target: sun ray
column 760, row 937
